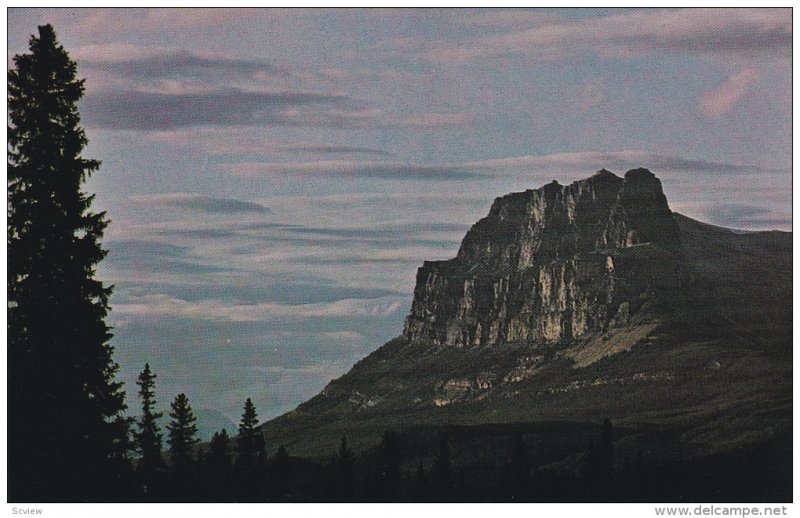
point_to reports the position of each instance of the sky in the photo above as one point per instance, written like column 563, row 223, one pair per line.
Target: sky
column 275, row 177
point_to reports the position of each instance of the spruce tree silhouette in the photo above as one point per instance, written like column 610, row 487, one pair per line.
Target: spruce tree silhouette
column 217, row 471
column 151, row 468
column 62, row 397
column 251, row 457
column 182, row 438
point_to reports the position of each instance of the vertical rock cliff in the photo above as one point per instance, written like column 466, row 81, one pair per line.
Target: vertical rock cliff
column 573, row 304
column 553, row 264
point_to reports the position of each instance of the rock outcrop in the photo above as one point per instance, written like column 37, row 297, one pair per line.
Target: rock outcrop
column 553, row 264
column 576, row 304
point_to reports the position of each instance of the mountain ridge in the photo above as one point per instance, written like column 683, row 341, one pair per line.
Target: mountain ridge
column 689, row 328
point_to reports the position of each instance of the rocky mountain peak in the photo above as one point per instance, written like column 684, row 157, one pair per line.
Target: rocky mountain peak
column 553, row 264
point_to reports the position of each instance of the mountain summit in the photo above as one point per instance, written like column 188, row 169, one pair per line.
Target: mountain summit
column 571, row 304
column 554, row 264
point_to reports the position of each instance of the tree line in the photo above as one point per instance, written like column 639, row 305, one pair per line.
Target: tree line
column 238, row 469
column 228, row 468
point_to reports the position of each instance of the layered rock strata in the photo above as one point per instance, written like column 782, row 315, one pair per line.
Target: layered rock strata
column 553, row 264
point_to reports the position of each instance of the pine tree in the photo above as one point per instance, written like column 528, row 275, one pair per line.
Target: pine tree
column 62, row 397
column 251, row 455
column 218, row 459
column 182, row 438
column 148, row 437
column 217, row 468
column 247, row 441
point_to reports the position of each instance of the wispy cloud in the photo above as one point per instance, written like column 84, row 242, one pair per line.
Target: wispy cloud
column 335, row 150
column 201, row 203
column 138, row 249
column 105, row 21
column 719, row 102
column 621, row 160
column 122, row 67
column 152, row 63
column 137, row 110
column 720, row 32
column 747, row 216
column 162, row 305
column 511, row 18
column 154, row 111
column 397, row 171
column 230, row 141
column 583, row 162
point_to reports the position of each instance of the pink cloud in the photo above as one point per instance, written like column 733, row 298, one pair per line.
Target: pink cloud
column 719, row 102
column 718, row 32
column 510, row 19
column 155, row 19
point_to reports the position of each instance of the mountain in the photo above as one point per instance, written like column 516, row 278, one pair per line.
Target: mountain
column 554, row 264
column 567, row 305
column 211, row 421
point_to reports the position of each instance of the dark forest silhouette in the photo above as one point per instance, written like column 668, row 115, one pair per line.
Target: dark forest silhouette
column 70, row 439
column 416, row 466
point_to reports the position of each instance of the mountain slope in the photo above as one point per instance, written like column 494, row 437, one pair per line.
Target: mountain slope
column 575, row 303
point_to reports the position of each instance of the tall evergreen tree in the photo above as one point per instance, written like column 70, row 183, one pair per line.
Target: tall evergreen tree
column 148, row 437
column 218, row 459
column 251, row 455
column 182, row 437
column 247, row 441
column 62, row 397
column 217, row 468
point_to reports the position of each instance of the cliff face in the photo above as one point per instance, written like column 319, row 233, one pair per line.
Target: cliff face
column 553, row 264
column 612, row 306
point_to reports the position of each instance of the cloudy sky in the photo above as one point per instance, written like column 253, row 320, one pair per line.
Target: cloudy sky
column 276, row 177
